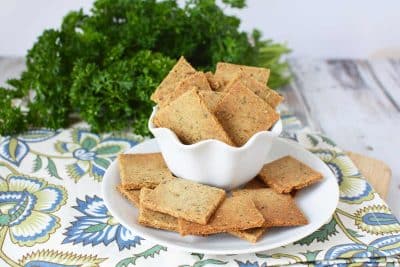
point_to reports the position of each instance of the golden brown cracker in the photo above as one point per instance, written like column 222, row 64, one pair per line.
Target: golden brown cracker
column 274, row 98
column 287, row 173
column 142, row 170
column 196, row 81
column 131, row 195
column 227, row 71
column 277, row 209
column 235, row 213
column 185, row 199
column 181, row 70
column 211, row 98
column 243, row 114
column 255, row 183
column 215, row 84
column 252, row 235
column 156, row 219
column 191, row 120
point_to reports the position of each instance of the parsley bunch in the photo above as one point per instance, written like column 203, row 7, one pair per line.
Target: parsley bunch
column 103, row 66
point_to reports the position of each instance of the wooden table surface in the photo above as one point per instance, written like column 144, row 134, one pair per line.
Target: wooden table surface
column 354, row 102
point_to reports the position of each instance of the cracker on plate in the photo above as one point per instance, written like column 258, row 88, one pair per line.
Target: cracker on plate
column 251, row 235
column 142, row 170
column 211, row 98
column 243, row 114
column 235, row 213
column 131, row 195
column 191, row 120
column 227, row 71
column 181, row 70
column 255, row 183
column 287, row 174
column 277, row 209
column 184, row 199
column 196, row 80
column 260, row 89
column 155, row 219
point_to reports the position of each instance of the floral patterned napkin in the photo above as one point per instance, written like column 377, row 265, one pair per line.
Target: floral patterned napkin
column 52, row 213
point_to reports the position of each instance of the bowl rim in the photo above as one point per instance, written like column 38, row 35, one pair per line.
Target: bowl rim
column 275, row 131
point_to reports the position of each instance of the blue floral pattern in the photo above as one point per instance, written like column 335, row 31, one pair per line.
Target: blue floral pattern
column 78, row 230
column 98, row 226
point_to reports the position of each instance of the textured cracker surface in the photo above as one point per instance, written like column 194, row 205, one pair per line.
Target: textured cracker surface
column 243, row 114
column 196, row 80
column 185, row 199
column 274, row 98
column 181, row 70
column 191, row 120
column 211, row 98
column 255, row 183
column 155, row 219
column 235, row 213
column 227, row 71
column 131, row 195
column 252, row 235
column 287, row 173
column 142, row 170
column 277, row 209
column 215, row 84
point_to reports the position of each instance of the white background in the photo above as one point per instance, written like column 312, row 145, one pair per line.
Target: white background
column 340, row 28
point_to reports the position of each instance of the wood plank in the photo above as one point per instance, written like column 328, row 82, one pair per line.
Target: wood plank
column 375, row 171
column 351, row 108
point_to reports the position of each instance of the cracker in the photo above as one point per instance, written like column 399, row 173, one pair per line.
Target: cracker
column 277, row 209
column 131, row 195
column 287, row 174
column 156, row 219
column 211, row 98
column 227, row 71
column 185, row 199
column 235, row 213
column 142, row 170
column 260, row 89
column 215, row 84
column 251, row 235
column 181, row 70
column 196, row 80
column 191, row 120
column 243, row 114
column 255, row 183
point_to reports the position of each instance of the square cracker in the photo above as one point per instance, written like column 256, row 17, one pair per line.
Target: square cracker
column 181, row 70
column 142, row 170
column 184, row 199
column 260, row 89
column 255, row 183
column 227, row 71
column 196, row 80
column 251, row 235
column 131, row 195
column 211, row 98
column 277, row 209
column 155, row 219
column 235, row 213
column 287, row 173
column 191, row 120
column 242, row 114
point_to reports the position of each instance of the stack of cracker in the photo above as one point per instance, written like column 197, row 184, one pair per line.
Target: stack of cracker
column 231, row 105
column 174, row 204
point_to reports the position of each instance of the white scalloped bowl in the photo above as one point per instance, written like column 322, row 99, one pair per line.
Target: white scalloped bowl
column 213, row 162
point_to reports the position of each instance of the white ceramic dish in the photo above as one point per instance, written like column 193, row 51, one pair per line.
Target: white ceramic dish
column 213, row 162
column 318, row 202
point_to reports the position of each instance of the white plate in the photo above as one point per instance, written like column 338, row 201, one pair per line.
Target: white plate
column 318, row 202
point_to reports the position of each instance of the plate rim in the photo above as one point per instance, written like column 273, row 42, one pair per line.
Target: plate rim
column 252, row 248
